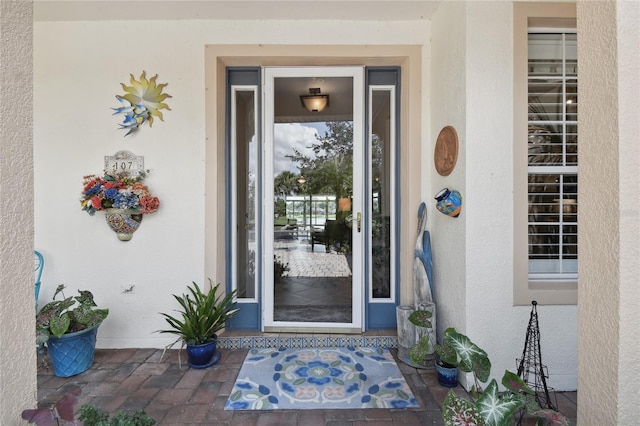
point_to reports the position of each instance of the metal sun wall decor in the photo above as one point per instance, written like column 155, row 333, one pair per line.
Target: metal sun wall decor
column 142, row 102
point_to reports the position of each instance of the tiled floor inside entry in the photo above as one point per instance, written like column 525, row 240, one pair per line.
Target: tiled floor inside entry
column 174, row 394
column 317, row 285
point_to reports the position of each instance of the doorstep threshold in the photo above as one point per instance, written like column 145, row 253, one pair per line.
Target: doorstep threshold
column 307, row 339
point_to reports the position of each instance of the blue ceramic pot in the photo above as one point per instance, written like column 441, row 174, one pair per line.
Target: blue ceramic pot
column 202, row 356
column 449, row 202
column 72, row 353
column 447, row 376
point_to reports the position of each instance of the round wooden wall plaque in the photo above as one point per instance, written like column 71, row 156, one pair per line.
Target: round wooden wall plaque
column 446, row 152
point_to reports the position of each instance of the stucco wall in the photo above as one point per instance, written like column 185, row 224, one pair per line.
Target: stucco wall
column 472, row 88
column 609, row 298
column 18, row 355
column 448, row 108
column 78, row 70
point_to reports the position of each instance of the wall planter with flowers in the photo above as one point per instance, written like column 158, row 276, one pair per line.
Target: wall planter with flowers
column 120, row 193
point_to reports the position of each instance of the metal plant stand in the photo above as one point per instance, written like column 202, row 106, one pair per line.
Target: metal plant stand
column 530, row 367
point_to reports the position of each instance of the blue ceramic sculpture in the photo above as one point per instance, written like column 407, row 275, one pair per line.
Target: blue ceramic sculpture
column 423, row 263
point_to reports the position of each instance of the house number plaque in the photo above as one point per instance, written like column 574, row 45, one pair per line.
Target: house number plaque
column 124, row 162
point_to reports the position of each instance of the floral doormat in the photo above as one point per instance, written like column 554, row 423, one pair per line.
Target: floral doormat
column 319, row 378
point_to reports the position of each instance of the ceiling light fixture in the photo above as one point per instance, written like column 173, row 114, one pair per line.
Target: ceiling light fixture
column 315, row 102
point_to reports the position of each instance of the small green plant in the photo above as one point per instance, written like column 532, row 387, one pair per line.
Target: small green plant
column 489, row 407
column 91, row 416
column 279, row 268
column 68, row 315
column 422, row 348
column 458, row 350
column 202, row 315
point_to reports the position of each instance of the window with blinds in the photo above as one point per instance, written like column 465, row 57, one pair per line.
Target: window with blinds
column 553, row 155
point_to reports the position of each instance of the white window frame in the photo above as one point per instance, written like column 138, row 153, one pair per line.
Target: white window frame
column 235, row 191
column 392, row 196
column 556, row 289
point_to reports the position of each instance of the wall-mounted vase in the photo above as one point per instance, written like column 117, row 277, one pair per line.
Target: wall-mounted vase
column 449, row 202
column 123, row 222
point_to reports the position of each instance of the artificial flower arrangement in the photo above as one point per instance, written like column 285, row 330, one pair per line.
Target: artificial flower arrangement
column 117, row 191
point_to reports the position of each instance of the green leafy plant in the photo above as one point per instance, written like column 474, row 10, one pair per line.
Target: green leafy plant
column 202, row 315
column 422, row 348
column 489, row 407
column 92, row 416
column 279, row 268
column 89, row 415
column 69, row 315
column 458, row 350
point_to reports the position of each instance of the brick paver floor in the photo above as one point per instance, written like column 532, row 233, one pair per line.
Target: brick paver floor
column 174, row 394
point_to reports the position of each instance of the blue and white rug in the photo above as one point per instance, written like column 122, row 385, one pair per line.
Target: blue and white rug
column 319, row 378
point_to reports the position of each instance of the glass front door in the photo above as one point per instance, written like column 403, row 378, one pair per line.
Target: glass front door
column 313, row 201
column 312, row 226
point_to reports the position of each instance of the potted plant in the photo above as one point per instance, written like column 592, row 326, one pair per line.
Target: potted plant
column 202, row 316
column 458, row 351
column 68, row 328
column 424, row 347
column 488, row 407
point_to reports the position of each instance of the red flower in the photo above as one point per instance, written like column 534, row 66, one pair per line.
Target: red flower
column 96, row 202
column 149, row 204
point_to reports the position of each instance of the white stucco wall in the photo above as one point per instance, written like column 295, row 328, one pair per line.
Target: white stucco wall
column 78, row 70
column 17, row 353
column 609, row 298
column 472, row 86
column 448, row 108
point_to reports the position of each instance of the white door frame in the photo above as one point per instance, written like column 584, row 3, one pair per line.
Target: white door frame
column 269, row 74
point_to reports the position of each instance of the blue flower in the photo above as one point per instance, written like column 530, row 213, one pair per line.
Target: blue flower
column 126, row 200
column 318, row 380
column 95, row 189
column 111, row 193
column 318, row 373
